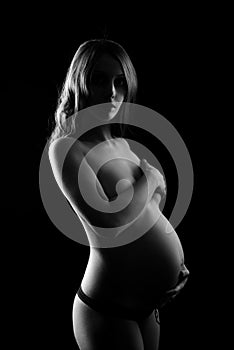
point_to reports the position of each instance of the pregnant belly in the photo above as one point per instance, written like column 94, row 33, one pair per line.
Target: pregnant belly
column 138, row 273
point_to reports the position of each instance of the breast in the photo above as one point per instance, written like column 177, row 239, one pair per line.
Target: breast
column 113, row 162
column 112, row 172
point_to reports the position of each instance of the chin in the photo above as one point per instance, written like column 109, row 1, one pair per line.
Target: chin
column 106, row 111
column 112, row 114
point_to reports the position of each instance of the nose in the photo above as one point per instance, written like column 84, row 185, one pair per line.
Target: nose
column 111, row 90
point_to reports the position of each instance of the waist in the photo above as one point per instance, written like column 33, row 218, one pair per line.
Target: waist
column 142, row 297
column 138, row 278
column 107, row 306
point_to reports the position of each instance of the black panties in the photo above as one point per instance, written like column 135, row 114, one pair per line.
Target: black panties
column 115, row 310
column 112, row 309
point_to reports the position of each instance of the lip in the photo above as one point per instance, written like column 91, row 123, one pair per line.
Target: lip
column 115, row 104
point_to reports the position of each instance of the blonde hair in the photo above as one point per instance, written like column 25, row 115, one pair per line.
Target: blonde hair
column 75, row 91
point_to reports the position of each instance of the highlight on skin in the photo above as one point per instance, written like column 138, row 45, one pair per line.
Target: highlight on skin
column 116, row 194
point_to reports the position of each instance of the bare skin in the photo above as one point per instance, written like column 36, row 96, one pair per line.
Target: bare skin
column 137, row 275
column 155, row 256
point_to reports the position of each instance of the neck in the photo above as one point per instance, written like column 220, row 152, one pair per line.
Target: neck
column 90, row 130
column 99, row 134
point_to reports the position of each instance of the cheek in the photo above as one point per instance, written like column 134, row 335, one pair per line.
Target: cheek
column 121, row 98
column 95, row 92
column 121, row 95
column 94, row 96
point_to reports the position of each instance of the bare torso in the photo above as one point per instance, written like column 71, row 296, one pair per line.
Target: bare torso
column 136, row 274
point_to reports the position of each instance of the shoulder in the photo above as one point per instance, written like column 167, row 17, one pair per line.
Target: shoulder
column 62, row 145
column 60, row 148
column 122, row 142
column 64, row 150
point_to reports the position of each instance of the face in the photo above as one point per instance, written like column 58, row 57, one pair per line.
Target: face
column 107, row 85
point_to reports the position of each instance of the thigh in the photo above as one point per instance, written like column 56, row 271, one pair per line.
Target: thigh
column 95, row 331
column 150, row 331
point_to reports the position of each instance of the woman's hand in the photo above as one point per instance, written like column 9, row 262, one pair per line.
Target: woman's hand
column 155, row 180
column 172, row 293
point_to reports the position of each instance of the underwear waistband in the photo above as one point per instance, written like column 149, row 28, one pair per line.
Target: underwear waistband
column 113, row 309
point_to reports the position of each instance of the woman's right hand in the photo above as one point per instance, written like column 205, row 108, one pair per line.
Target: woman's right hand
column 172, row 293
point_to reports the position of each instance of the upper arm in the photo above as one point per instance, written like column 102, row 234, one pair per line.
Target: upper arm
column 79, row 183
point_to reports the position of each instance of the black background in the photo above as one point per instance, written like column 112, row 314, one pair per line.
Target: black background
column 44, row 268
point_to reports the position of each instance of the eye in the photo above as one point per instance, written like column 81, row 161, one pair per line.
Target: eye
column 121, row 82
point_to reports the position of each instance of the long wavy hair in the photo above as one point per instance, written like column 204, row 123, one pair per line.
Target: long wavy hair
column 74, row 93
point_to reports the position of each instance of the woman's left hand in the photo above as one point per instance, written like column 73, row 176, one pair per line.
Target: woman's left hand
column 160, row 191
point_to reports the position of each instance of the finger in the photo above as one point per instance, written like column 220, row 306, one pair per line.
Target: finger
column 157, row 197
column 143, row 164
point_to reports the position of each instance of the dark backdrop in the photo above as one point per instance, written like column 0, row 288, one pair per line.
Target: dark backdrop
column 43, row 267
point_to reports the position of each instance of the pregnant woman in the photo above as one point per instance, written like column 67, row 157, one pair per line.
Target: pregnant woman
column 132, row 271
